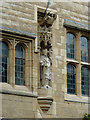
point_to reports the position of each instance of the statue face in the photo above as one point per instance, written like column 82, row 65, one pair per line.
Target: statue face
column 44, row 52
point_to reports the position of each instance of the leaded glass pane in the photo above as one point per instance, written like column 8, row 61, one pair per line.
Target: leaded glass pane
column 70, row 46
column 3, row 62
column 85, row 81
column 70, row 79
column 19, row 65
column 84, row 49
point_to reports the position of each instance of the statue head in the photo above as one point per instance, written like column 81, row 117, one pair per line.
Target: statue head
column 44, row 52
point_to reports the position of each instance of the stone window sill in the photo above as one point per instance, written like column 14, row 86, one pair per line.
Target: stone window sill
column 72, row 61
column 6, row 88
column 85, row 63
column 75, row 98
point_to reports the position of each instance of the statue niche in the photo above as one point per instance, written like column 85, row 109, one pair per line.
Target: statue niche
column 45, row 22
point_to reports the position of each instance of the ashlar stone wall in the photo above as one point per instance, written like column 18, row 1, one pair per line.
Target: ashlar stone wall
column 21, row 18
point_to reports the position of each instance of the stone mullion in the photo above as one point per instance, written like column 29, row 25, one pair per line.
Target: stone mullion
column 12, row 62
column 78, row 66
column 10, row 65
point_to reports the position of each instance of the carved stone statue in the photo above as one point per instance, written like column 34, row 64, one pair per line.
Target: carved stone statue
column 45, row 37
column 45, row 70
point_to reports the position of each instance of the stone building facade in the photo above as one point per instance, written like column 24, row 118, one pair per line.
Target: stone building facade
column 40, row 33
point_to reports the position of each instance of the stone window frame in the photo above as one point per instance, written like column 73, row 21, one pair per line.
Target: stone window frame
column 10, row 87
column 25, row 49
column 78, row 63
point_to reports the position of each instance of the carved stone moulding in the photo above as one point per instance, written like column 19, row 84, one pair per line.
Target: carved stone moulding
column 45, row 103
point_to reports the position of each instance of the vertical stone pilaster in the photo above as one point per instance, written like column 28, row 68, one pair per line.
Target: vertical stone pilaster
column 34, row 71
column 26, row 66
column 32, row 62
column 30, row 66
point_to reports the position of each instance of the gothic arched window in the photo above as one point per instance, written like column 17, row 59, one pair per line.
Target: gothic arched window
column 70, row 46
column 3, row 62
column 85, row 80
column 84, row 49
column 19, row 65
column 71, row 72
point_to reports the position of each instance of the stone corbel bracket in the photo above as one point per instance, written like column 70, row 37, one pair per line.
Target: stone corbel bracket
column 45, row 103
column 45, row 99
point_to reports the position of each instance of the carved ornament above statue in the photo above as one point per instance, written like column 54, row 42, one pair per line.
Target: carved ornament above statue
column 46, row 18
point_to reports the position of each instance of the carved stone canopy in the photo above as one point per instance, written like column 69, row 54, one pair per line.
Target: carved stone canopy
column 46, row 18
